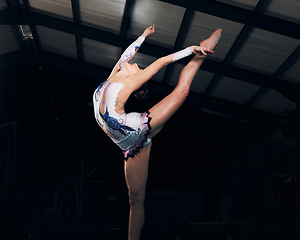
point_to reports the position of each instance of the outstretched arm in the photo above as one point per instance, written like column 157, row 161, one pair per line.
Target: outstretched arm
column 131, row 51
column 137, row 80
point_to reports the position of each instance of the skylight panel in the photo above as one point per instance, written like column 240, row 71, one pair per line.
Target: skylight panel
column 166, row 17
column 234, row 90
column 8, row 40
column 271, row 101
column 247, row 4
column 57, row 42
column 203, row 25
column 100, row 53
column 264, row 51
column 287, row 9
column 105, row 14
column 292, row 74
column 61, row 8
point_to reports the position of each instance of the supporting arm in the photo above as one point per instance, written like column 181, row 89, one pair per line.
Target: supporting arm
column 131, row 51
column 137, row 80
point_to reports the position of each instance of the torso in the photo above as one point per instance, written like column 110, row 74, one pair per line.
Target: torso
column 110, row 98
column 121, row 98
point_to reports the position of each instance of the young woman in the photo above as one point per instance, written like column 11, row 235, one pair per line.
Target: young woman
column 133, row 132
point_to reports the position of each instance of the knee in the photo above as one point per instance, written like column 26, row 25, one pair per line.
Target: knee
column 182, row 91
column 136, row 199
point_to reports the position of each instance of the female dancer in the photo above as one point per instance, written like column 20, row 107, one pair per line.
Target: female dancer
column 133, row 132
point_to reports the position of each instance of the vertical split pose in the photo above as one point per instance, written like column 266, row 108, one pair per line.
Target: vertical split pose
column 133, row 132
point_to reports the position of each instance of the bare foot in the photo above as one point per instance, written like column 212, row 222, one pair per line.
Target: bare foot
column 212, row 41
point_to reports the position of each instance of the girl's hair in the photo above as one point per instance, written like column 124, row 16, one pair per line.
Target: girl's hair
column 142, row 93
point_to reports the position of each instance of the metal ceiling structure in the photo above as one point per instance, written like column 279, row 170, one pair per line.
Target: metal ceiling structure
column 255, row 71
column 238, row 133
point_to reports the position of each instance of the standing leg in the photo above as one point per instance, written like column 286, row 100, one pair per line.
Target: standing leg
column 136, row 173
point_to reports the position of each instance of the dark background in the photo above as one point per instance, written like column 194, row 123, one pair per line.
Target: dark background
column 210, row 177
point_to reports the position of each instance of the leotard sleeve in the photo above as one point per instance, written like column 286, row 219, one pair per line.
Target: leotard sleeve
column 131, row 50
column 181, row 54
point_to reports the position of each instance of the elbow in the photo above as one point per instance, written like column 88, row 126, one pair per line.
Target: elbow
column 163, row 61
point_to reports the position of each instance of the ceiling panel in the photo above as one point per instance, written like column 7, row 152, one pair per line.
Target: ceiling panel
column 60, row 8
column 200, row 82
column 292, row 74
column 234, row 90
column 248, row 4
column 57, row 42
column 202, row 27
column 265, row 51
column 166, row 17
column 8, row 41
column 100, row 53
column 143, row 61
column 105, row 14
column 2, row 4
column 285, row 9
column 271, row 101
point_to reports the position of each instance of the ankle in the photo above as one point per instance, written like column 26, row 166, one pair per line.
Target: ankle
column 199, row 58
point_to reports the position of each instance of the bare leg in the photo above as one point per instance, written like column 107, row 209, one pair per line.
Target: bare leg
column 136, row 169
column 136, row 173
column 212, row 41
column 163, row 110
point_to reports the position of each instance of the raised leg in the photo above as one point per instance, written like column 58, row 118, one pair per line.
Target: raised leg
column 136, row 173
column 212, row 41
column 163, row 110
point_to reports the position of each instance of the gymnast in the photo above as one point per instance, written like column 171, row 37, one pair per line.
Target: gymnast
column 133, row 132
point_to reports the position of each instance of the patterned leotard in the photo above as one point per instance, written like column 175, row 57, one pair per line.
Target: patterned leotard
column 128, row 131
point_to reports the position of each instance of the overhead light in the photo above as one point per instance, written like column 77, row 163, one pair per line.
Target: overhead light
column 25, row 32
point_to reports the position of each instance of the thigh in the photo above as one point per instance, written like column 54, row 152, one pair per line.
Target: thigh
column 164, row 110
column 136, row 171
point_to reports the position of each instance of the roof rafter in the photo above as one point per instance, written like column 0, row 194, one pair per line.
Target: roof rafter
column 228, row 108
column 77, row 21
column 240, row 15
column 128, row 10
column 234, row 50
column 30, row 17
column 182, row 33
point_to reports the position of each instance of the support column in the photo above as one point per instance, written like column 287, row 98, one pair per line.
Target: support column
column 267, row 192
column 297, row 205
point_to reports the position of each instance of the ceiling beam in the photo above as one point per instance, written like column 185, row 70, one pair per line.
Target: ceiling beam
column 77, row 21
column 235, row 49
column 126, row 20
column 181, row 36
column 285, row 88
column 8, row 17
column 97, row 74
column 201, row 101
column 72, row 65
column 241, row 15
column 292, row 59
column 30, row 17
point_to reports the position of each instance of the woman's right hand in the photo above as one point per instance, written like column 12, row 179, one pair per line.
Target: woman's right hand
column 148, row 31
column 200, row 50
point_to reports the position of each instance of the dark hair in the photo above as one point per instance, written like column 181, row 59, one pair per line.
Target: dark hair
column 142, row 93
